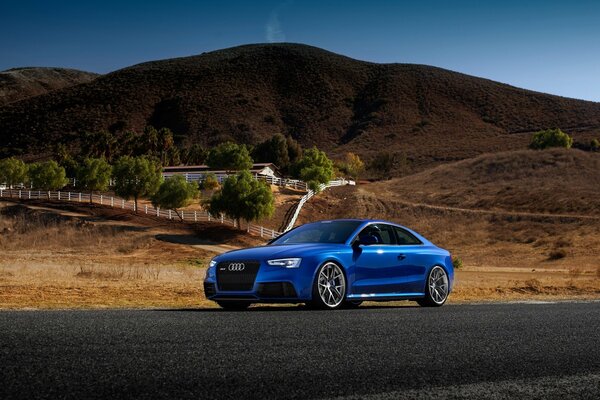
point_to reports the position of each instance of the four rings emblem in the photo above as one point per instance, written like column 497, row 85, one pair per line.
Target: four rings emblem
column 236, row 267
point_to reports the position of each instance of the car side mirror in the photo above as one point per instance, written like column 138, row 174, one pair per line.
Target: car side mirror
column 367, row 240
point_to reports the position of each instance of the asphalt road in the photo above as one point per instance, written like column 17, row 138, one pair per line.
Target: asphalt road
column 467, row 351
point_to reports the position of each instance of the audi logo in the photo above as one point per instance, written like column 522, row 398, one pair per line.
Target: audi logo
column 236, row 267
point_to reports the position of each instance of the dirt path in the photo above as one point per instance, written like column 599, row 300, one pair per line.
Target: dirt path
column 394, row 196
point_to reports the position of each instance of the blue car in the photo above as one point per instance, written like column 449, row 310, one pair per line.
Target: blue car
column 334, row 264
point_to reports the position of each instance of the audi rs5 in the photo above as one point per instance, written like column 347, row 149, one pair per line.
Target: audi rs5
column 334, row 264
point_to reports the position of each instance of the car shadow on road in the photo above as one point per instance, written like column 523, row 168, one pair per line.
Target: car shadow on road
column 275, row 309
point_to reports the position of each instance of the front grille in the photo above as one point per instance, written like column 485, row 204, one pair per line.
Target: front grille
column 209, row 289
column 276, row 289
column 232, row 277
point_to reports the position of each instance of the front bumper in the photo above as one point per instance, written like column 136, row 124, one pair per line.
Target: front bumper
column 272, row 284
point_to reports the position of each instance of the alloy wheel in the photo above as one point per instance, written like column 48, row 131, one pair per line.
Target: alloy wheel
column 332, row 285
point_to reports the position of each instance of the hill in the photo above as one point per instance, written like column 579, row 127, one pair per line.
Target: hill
column 21, row 83
column 250, row 92
column 520, row 209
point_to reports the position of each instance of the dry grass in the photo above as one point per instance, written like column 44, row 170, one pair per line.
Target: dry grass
column 53, row 261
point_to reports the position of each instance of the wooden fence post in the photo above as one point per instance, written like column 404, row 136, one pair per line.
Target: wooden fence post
column 112, row 201
column 80, row 197
column 122, row 203
column 59, row 194
column 146, row 209
column 169, row 214
column 29, row 195
column 101, row 200
column 261, row 231
column 195, row 216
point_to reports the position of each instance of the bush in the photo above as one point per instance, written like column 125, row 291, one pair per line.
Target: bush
column 314, row 168
column 210, row 182
column 550, row 138
column 557, row 254
column 352, row 165
column 175, row 193
column 594, row 145
column 457, row 262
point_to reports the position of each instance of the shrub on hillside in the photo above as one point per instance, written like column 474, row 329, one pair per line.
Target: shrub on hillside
column 550, row 138
column 314, row 168
column 243, row 197
column 457, row 262
column 595, row 145
column 210, row 182
column 175, row 193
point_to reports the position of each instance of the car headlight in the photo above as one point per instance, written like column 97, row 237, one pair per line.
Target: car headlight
column 285, row 262
column 210, row 271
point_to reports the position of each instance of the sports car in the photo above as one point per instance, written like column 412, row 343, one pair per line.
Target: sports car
column 334, row 264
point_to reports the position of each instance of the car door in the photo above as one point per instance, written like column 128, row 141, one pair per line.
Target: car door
column 377, row 265
column 413, row 262
column 391, row 267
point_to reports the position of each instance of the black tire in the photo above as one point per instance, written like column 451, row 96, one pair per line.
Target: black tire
column 234, row 305
column 436, row 293
column 337, row 295
column 351, row 304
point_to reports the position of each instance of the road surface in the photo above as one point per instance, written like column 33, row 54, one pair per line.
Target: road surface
column 458, row 351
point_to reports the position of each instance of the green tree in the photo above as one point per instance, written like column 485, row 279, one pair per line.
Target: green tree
column 94, row 175
column 230, row 157
column 13, row 172
column 175, row 193
column 595, row 145
column 210, row 182
column 385, row 163
column 193, row 155
column 294, row 150
column 99, row 144
column 166, row 144
column 243, row 197
column 274, row 150
column 137, row 177
column 47, row 176
column 149, row 141
column 550, row 138
column 315, row 168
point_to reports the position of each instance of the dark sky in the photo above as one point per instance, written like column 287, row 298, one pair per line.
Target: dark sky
column 549, row 46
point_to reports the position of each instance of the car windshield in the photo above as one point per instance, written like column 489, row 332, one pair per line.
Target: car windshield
column 319, row 232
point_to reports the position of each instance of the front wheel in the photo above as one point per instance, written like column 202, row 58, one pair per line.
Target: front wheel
column 234, row 305
column 329, row 289
column 437, row 288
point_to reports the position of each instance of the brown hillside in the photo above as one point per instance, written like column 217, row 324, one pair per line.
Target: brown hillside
column 514, row 209
column 21, row 83
column 557, row 181
column 250, row 92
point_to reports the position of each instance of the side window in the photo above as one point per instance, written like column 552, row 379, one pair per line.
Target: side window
column 384, row 233
column 405, row 238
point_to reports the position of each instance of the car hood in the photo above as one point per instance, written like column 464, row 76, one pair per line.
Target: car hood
column 279, row 251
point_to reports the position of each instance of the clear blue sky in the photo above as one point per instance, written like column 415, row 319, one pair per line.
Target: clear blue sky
column 545, row 45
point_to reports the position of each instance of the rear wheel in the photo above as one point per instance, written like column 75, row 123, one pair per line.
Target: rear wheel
column 234, row 305
column 437, row 288
column 329, row 289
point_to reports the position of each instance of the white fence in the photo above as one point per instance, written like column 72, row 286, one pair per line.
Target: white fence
column 272, row 180
column 309, row 195
column 117, row 202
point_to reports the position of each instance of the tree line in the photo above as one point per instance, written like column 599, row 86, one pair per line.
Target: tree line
column 240, row 196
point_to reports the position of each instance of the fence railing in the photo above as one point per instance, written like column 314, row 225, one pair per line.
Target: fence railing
column 117, row 202
column 272, row 180
column 309, row 195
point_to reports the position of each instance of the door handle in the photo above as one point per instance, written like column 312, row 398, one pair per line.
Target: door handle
column 401, row 256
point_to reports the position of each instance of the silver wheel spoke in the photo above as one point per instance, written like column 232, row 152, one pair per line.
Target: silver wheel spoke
column 331, row 285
